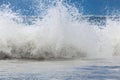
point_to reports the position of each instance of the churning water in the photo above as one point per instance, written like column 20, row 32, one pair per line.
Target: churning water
column 60, row 31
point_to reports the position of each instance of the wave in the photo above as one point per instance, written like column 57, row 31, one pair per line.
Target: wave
column 62, row 32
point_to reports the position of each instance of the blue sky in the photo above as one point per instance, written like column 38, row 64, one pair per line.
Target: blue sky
column 90, row 7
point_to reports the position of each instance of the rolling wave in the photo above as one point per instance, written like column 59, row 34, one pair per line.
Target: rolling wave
column 62, row 32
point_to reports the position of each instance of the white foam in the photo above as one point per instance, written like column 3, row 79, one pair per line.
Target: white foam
column 57, row 35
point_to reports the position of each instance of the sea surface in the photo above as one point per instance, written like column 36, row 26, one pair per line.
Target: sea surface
column 60, row 70
column 87, row 31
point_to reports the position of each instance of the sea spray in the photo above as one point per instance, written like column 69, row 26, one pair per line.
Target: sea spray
column 61, row 33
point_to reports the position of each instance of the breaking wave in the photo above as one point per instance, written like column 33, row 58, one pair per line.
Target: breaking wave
column 60, row 32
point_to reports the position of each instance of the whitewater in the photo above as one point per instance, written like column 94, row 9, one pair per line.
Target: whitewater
column 58, row 43
column 62, row 32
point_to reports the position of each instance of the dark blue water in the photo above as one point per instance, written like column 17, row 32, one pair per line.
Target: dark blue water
column 89, row 7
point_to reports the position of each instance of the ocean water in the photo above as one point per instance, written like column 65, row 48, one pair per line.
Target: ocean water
column 59, row 43
column 59, row 32
column 60, row 70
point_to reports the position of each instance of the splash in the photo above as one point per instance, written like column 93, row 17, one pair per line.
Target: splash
column 62, row 32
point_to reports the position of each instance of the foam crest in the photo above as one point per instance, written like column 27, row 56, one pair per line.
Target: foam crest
column 61, row 33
